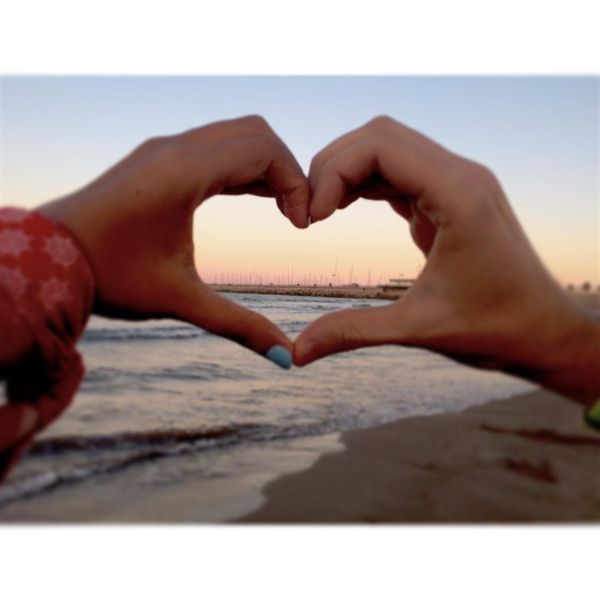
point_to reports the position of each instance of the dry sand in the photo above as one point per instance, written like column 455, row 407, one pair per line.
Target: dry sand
column 527, row 459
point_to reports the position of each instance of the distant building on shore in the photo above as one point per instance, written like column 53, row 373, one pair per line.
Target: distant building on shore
column 397, row 285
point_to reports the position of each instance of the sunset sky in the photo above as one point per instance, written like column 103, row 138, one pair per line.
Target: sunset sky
column 539, row 135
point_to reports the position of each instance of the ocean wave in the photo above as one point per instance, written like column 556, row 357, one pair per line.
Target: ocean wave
column 138, row 333
column 160, row 438
column 109, row 379
column 293, row 326
column 127, row 440
column 128, row 334
column 97, row 455
column 111, row 453
column 64, row 460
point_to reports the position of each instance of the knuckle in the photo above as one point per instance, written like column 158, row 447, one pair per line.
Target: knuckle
column 257, row 122
column 381, row 122
column 350, row 336
column 477, row 185
column 244, row 329
column 151, row 144
column 263, row 152
column 168, row 151
column 480, row 174
column 249, row 326
column 476, row 178
column 166, row 157
column 196, row 133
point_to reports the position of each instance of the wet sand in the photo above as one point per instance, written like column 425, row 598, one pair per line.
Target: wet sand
column 523, row 460
column 526, row 459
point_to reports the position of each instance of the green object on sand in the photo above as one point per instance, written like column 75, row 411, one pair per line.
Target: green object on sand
column 592, row 415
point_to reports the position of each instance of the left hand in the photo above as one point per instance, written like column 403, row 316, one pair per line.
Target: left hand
column 134, row 223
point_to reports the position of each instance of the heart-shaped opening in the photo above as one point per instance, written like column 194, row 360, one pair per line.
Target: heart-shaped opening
column 246, row 241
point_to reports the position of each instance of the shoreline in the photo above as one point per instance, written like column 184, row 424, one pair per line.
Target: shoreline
column 523, row 460
column 366, row 293
column 590, row 301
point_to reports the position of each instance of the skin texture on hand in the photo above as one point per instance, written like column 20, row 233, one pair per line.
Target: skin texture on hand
column 134, row 223
column 483, row 298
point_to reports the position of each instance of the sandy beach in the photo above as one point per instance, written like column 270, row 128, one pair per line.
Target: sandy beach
column 526, row 459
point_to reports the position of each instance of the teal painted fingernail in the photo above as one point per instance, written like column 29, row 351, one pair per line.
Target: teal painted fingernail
column 280, row 356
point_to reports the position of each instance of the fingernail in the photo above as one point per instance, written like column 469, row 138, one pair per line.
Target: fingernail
column 308, row 221
column 280, row 356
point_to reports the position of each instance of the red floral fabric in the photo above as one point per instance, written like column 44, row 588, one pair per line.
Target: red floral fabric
column 46, row 296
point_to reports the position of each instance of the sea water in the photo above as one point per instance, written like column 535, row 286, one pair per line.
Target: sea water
column 160, row 389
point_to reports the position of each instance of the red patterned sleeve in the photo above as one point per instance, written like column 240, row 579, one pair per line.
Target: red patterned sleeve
column 46, row 296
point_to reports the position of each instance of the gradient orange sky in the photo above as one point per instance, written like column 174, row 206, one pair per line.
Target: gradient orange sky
column 540, row 136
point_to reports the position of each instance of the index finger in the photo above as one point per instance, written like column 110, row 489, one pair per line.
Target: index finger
column 254, row 159
column 410, row 162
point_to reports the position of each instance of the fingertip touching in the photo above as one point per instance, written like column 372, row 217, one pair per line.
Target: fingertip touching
column 323, row 204
column 304, row 352
column 296, row 204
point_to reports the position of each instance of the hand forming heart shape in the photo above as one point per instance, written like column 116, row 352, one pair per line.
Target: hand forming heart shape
column 483, row 298
column 135, row 224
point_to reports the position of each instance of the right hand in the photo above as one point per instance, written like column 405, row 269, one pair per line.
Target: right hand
column 483, row 298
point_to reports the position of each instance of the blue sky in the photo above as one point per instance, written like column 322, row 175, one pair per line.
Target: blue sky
column 540, row 135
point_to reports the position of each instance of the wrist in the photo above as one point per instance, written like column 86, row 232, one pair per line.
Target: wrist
column 575, row 366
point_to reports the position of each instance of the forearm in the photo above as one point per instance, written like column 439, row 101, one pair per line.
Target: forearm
column 16, row 340
column 46, row 294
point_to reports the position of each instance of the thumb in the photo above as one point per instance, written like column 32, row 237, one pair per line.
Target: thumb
column 206, row 309
column 417, row 319
column 348, row 330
